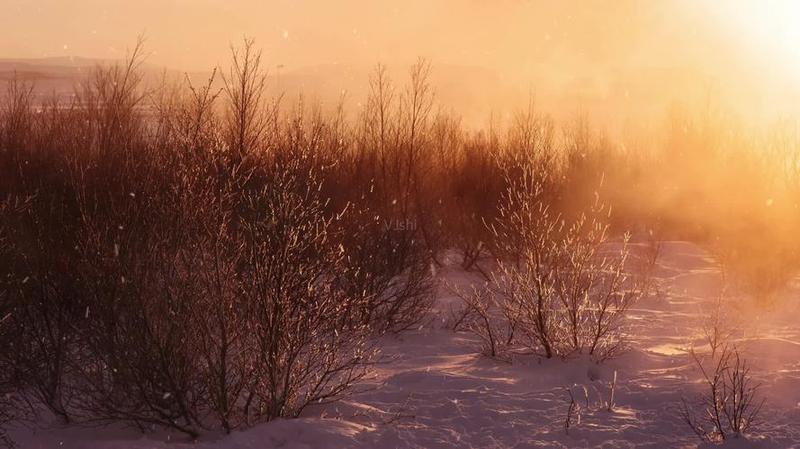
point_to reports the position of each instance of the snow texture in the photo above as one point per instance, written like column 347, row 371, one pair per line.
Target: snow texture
column 434, row 390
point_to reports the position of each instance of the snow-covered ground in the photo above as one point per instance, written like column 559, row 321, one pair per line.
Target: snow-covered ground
column 434, row 389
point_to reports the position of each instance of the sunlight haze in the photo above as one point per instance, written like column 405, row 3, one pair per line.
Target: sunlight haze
column 622, row 56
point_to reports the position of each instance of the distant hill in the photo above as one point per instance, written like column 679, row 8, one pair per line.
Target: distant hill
column 470, row 91
column 474, row 93
column 50, row 76
column 46, row 68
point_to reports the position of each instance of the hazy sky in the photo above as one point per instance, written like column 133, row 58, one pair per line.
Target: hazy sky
column 751, row 47
column 506, row 33
column 195, row 33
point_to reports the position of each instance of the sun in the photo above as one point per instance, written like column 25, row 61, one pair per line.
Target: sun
column 770, row 28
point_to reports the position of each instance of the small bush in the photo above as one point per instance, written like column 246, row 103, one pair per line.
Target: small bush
column 306, row 348
column 391, row 266
column 487, row 318
column 730, row 406
column 568, row 289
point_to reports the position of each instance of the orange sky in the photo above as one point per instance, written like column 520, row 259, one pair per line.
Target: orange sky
column 638, row 51
column 504, row 34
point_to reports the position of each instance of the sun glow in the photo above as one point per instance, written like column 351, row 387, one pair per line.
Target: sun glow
column 770, row 29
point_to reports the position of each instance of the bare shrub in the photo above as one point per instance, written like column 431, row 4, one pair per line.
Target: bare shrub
column 246, row 119
column 218, row 318
column 227, row 303
column 416, row 104
column 118, row 322
column 717, row 329
column 387, row 232
column 528, row 155
column 483, row 315
column 208, row 198
column 41, row 291
column 475, row 184
column 730, row 406
column 568, row 286
column 646, row 262
column 561, row 286
column 389, row 264
column 305, row 347
column 17, row 115
column 38, row 290
column 135, row 361
column 110, row 100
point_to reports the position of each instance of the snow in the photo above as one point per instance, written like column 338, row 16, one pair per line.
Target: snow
column 434, row 390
